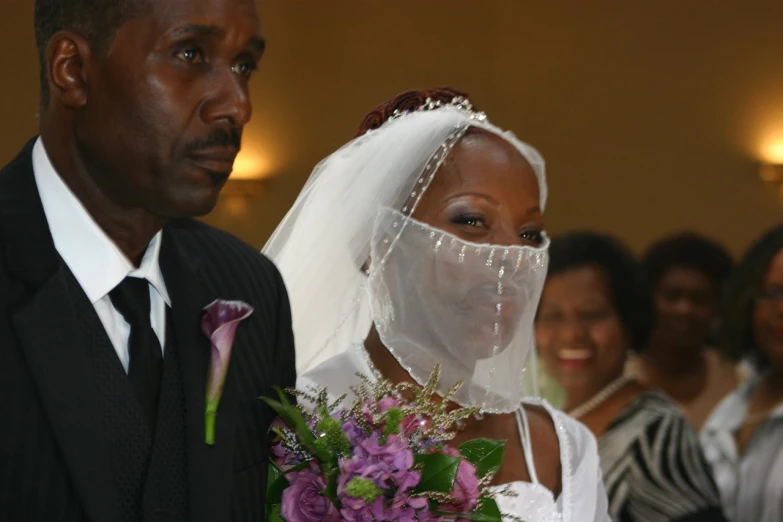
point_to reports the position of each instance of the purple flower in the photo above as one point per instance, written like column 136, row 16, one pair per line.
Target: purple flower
column 220, row 324
column 386, row 403
column 403, row 507
column 394, row 456
column 465, row 491
column 356, row 435
column 284, row 456
column 367, row 411
column 389, row 467
column 303, row 502
column 356, row 509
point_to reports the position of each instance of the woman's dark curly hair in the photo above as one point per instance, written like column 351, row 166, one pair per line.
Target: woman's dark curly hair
column 405, row 102
column 688, row 250
column 740, row 297
column 630, row 292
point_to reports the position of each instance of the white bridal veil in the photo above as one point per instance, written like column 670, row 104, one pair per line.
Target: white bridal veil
column 351, row 254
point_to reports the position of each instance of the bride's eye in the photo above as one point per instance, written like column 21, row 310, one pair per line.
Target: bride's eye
column 471, row 220
column 535, row 237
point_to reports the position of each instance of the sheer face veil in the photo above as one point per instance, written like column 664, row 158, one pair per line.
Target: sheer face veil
column 428, row 226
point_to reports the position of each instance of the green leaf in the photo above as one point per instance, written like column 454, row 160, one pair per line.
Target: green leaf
column 276, row 484
column 485, row 454
column 488, row 510
column 331, row 488
column 273, row 472
column 438, row 472
column 293, row 417
column 273, row 514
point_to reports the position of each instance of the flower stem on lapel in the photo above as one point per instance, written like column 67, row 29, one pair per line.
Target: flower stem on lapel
column 220, row 324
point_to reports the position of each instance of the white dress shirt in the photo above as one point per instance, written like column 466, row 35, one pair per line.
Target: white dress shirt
column 94, row 259
column 751, row 482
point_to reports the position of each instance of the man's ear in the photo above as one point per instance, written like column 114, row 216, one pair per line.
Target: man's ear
column 66, row 56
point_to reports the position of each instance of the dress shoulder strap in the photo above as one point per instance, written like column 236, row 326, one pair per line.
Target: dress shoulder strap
column 527, row 446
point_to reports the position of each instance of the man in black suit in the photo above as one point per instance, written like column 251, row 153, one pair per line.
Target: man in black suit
column 104, row 276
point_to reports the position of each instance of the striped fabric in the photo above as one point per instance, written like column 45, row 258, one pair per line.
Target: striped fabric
column 263, row 353
column 653, row 467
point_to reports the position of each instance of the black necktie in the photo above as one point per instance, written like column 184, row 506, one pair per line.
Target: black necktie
column 131, row 298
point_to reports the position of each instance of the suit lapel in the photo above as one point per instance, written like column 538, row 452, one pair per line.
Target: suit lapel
column 210, row 467
column 51, row 340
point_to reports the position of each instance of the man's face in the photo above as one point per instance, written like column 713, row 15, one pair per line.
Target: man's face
column 166, row 104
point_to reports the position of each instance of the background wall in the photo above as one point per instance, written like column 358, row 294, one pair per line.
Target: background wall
column 652, row 118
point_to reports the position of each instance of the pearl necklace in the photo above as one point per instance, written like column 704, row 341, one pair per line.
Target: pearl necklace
column 599, row 398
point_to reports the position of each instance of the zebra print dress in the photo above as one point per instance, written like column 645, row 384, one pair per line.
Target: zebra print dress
column 653, row 467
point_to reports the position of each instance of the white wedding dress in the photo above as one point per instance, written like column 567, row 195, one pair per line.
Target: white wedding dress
column 353, row 256
column 583, row 497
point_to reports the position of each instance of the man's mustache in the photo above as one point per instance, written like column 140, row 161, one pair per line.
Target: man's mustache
column 216, row 139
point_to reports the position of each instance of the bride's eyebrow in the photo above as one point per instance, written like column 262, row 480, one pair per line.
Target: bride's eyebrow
column 469, row 193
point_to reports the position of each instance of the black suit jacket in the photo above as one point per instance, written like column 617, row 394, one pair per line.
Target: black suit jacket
column 53, row 463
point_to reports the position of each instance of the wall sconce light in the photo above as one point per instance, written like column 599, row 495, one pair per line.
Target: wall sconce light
column 773, row 174
column 243, row 187
column 237, row 194
column 246, row 182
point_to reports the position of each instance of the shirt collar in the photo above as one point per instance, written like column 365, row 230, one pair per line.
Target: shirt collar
column 729, row 414
column 93, row 258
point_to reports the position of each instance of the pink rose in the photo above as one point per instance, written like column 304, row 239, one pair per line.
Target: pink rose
column 303, row 502
column 465, row 490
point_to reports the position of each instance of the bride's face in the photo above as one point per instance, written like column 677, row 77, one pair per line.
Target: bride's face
column 486, row 193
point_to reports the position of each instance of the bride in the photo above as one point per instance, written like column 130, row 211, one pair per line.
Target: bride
column 419, row 243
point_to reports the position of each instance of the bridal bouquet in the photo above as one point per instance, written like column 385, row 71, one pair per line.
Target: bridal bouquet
column 384, row 458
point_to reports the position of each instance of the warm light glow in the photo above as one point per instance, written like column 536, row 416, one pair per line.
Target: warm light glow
column 249, row 164
column 774, row 152
column 770, row 146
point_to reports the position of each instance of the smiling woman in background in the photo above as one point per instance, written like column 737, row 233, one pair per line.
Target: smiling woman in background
column 743, row 438
column 686, row 273
column 595, row 308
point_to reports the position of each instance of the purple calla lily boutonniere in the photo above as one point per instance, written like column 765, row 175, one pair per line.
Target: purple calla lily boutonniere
column 220, row 324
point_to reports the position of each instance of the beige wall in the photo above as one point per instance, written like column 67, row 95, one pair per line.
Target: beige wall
column 652, row 118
